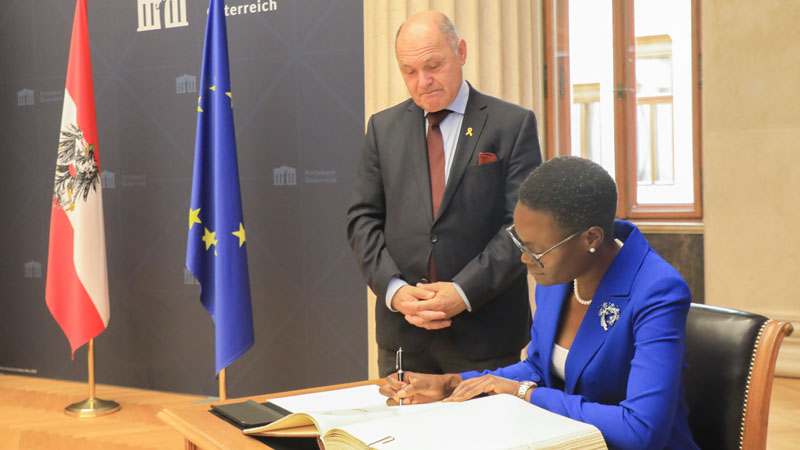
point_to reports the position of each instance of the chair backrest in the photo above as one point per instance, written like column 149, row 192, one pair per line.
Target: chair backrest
column 731, row 356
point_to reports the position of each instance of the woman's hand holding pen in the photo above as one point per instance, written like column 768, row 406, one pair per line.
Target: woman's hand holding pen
column 419, row 388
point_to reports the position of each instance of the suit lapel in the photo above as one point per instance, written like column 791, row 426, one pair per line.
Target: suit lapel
column 417, row 151
column 615, row 289
column 475, row 119
column 590, row 337
column 550, row 306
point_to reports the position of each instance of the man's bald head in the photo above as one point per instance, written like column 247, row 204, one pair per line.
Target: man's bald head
column 436, row 20
column 431, row 56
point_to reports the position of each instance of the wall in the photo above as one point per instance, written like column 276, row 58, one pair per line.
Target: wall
column 297, row 81
column 685, row 252
column 751, row 152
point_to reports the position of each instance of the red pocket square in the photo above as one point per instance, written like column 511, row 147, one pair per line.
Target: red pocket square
column 486, row 157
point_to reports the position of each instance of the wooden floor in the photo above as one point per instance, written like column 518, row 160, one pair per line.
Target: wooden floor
column 32, row 417
column 784, row 415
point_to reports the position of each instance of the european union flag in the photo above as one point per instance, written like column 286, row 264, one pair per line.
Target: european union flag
column 216, row 254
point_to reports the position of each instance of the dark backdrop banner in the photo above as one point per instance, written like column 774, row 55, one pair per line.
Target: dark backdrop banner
column 297, row 81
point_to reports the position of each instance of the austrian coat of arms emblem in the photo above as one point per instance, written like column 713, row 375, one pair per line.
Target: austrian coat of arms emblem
column 76, row 169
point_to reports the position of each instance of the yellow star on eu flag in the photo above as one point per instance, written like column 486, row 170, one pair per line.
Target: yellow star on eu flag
column 210, row 238
column 194, row 217
column 240, row 234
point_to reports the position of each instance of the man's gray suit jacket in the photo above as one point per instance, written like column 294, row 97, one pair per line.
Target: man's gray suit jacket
column 392, row 231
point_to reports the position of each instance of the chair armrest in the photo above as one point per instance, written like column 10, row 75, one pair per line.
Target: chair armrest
column 759, row 386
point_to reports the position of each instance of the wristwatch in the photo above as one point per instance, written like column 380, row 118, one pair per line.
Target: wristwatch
column 524, row 386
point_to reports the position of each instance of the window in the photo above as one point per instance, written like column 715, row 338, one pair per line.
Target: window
column 622, row 88
column 586, row 114
column 655, row 152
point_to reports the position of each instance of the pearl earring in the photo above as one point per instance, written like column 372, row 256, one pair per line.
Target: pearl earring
column 591, row 250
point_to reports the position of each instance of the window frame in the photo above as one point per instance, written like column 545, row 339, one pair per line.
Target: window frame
column 557, row 99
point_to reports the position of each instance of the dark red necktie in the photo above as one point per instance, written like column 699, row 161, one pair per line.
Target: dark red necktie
column 436, row 157
column 436, row 167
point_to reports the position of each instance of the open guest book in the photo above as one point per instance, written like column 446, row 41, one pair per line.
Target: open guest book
column 362, row 420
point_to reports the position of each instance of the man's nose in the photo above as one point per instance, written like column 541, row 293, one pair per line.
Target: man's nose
column 427, row 79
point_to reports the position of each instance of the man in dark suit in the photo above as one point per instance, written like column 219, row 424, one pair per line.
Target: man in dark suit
column 434, row 190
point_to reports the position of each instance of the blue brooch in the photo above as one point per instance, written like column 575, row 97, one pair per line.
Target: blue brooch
column 609, row 313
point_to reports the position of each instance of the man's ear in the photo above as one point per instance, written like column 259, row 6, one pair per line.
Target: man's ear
column 462, row 51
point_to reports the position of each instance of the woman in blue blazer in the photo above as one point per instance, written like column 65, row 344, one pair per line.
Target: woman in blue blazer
column 607, row 341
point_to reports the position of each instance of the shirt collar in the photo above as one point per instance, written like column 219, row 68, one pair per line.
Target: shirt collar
column 459, row 104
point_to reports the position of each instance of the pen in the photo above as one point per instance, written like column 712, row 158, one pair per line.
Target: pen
column 398, row 365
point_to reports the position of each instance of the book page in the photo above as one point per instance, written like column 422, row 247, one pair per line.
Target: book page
column 327, row 420
column 340, row 406
column 298, row 423
column 347, row 398
column 500, row 422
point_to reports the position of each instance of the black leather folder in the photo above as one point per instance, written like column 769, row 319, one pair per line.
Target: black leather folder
column 249, row 414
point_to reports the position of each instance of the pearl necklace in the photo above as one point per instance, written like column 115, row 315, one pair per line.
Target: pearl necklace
column 578, row 296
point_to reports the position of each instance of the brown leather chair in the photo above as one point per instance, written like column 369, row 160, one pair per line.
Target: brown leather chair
column 731, row 356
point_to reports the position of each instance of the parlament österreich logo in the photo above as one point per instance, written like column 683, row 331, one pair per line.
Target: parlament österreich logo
column 76, row 169
column 150, row 12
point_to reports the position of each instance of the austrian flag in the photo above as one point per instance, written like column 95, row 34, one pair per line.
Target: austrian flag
column 77, row 278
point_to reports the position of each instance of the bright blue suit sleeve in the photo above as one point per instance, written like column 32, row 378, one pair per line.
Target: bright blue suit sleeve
column 644, row 418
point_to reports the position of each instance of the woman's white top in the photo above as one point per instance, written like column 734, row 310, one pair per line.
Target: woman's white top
column 559, row 361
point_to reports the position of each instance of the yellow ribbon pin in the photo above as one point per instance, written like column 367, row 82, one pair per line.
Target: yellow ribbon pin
column 469, row 131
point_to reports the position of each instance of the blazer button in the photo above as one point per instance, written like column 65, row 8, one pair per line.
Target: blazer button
column 434, row 238
column 424, row 280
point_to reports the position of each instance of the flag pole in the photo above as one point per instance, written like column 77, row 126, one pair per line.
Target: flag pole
column 223, row 395
column 92, row 406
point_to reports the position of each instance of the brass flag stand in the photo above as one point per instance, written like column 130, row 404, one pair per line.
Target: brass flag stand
column 92, row 406
column 223, row 394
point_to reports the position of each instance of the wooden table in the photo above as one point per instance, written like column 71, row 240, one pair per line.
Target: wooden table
column 203, row 430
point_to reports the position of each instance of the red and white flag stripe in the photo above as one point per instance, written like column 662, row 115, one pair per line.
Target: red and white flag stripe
column 77, row 278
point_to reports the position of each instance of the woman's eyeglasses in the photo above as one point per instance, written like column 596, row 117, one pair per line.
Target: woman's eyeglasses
column 535, row 256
